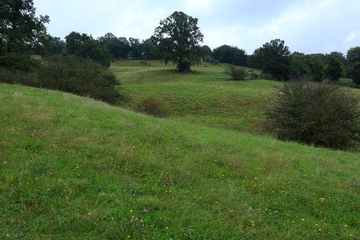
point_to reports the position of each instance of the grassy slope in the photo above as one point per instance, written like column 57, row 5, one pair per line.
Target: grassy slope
column 74, row 168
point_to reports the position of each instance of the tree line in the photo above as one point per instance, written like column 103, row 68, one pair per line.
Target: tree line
column 177, row 39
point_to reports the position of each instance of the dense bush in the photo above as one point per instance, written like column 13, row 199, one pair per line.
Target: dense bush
column 319, row 114
column 237, row 73
column 79, row 76
column 153, row 106
column 356, row 73
column 69, row 74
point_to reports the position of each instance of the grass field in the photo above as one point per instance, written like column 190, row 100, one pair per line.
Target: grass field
column 74, row 168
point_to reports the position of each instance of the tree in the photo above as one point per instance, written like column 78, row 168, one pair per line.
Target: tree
column 125, row 47
column 148, row 49
column 353, row 55
column 85, row 46
column 333, row 70
column 135, row 48
column 21, row 32
column 229, row 54
column 309, row 66
column 56, row 46
column 273, row 58
column 205, row 51
column 356, row 73
column 177, row 40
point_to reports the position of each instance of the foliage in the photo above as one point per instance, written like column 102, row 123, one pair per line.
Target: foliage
column 205, row 51
column 319, row 114
column 273, row 58
column 333, row 69
column 85, row 46
column 148, row 50
column 20, row 62
column 68, row 74
column 135, row 46
column 177, row 40
column 356, row 73
column 353, row 55
column 153, row 106
column 20, row 30
column 309, row 66
column 237, row 73
column 229, row 54
column 56, row 46
column 79, row 76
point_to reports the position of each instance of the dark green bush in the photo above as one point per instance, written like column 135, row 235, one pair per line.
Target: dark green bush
column 356, row 73
column 68, row 74
column 153, row 106
column 237, row 73
column 79, row 76
column 319, row 114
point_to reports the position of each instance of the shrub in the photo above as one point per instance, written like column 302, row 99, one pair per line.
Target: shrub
column 319, row 114
column 356, row 73
column 79, row 76
column 153, row 106
column 237, row 73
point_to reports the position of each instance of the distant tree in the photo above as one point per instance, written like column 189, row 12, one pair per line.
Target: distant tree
column 353, row 55
column 205, row 51
column 21, row 32
column 135, row 48
column 344, row 63
column 112, row 44
column 308, row 66
column 273, row 58
column 333, row 70
column 125, row 48
column 316, row 68
column 177, row 40
column 229, row 54
column 356, row 73
column 56, row 46
column 104, row 39
column 85, row 46
column 148, row 49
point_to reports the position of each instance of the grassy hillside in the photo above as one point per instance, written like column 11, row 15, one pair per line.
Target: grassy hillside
column 74, row 168
column 206, row 97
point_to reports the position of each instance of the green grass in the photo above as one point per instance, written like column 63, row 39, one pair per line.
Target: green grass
column 74, row 168
column 206, row 97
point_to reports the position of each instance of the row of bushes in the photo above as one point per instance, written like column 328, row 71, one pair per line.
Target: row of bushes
column 64, row 73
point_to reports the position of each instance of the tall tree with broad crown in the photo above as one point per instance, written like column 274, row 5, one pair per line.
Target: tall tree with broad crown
column 21, row 32
column 274, row 58
column 177, row 40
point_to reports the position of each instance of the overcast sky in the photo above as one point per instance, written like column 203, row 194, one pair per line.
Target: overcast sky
column 307, row 26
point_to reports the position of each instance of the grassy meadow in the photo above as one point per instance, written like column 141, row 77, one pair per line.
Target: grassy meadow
column 75, row 168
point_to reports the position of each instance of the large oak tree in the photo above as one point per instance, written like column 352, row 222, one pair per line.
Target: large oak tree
column 177, row 40
column 21, row 34
column 20, row 30
column 274, row 58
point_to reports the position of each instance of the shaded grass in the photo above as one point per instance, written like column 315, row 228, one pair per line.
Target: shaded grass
column 74, row 168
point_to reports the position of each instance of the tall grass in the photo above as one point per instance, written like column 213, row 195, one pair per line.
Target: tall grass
column 74, row 168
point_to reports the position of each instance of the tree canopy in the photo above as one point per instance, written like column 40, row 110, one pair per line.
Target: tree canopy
column 177, row 40
column 86, row 46
column 20, row 30
column 274, row 58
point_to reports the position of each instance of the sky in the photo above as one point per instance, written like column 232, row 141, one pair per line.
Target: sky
column 307, row 26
